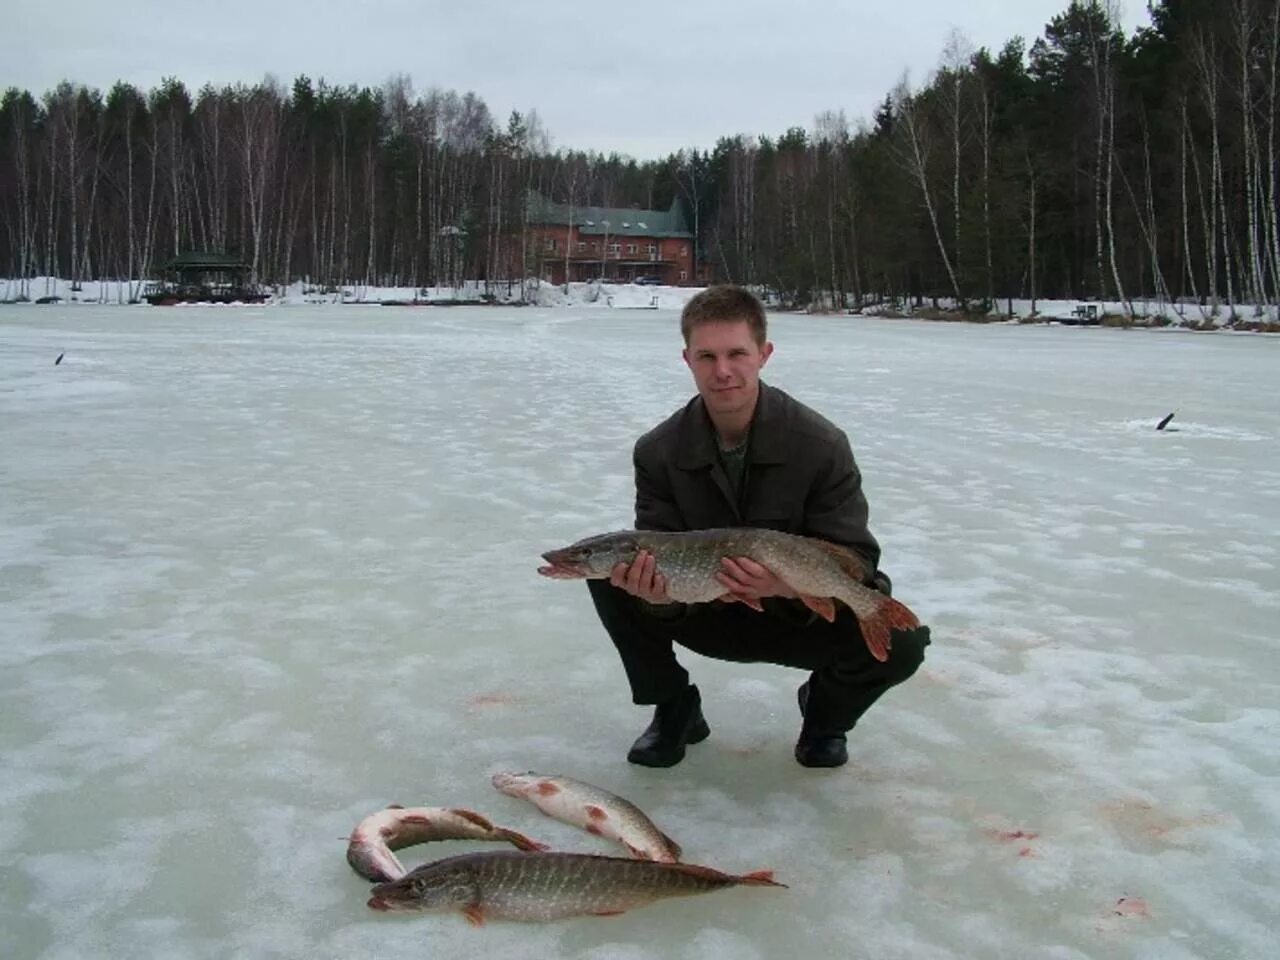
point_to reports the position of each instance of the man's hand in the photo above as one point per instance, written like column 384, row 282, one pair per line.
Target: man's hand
column 641, row 579
column 748, row 582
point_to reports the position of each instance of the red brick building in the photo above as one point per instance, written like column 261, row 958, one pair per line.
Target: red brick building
column 614, row 243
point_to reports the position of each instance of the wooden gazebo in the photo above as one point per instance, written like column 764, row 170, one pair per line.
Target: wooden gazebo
column 204, row 277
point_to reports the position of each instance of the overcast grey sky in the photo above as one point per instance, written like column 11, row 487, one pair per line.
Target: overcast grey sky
column 643, row 77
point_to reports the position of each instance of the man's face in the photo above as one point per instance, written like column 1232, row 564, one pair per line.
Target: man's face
column 726, row 362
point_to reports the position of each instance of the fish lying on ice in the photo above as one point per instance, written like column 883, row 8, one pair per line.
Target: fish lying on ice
column 594, row 809
column 549, row 886
column 371, row 842
column 819, row 571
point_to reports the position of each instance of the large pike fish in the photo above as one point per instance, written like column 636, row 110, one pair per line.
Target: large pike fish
column 370, row 846
column 820, row 572
column 594, row 809
column 549, row 886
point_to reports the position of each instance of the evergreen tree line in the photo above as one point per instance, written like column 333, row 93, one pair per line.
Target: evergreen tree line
column 1091, row 165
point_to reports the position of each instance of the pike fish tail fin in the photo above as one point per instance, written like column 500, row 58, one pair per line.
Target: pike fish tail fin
column 759, row 878
column 891, row 615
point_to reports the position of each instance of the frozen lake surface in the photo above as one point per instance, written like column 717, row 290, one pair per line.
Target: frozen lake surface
column 265, row 571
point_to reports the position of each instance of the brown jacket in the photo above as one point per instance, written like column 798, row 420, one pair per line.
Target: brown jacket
column 800, row 477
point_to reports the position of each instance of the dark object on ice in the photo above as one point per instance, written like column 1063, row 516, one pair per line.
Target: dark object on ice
column 59, row 360
column 1165, row 422
column 48, row 300
column 1084, row 315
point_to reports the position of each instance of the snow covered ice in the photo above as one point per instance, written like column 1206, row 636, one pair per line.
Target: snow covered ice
column 264, row 571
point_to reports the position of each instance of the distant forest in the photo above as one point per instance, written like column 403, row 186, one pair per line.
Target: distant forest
column 1090, row 165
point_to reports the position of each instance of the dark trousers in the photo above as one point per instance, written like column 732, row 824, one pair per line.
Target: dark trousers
column 845, row 680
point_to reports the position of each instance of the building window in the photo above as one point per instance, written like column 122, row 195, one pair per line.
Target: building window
column 684, row 250
column 551, row 245
column 631, row 248
column 653, row 249
column 595, row 246
column 582, row 246
column 615, row 248
column 684, row 274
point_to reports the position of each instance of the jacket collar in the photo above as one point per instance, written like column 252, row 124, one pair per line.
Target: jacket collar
column 696, row 445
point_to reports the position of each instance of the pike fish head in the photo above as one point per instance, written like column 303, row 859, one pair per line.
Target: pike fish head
column 517, row 784
column 433, row 886
column 593, row 557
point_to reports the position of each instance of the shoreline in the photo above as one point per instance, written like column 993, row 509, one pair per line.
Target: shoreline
column 44, row 291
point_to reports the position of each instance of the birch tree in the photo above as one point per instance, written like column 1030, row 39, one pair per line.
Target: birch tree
column 21, row 112
column 257, row 138
column 957, row 55
column 913, row 125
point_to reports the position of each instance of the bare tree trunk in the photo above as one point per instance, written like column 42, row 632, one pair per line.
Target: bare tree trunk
column 435, row 177
column 1146, row 214
column 1226, row 230
column 691, row 185
column 286, row 209
column 259, row 134
column 836, row 285
column 175, row 179
column 987, row 123
column 130, row 257
column 70, row 116
column 1184, row 136
column 371, row 172
column 1249, row 154
column 957, row 56
column 917, row 158
column 86, row 265
column 568, row 234
column 51, row 235
column 1111, row 164
column 346, row 203
column 955, row 168
column 292, row 231
column 331, row 224
column 1204, row 56
column 1097, row 209
column 195, row 215
column 1273, row 223
column 1101, row 66
column 1031, row 230
column 742, row 183
column 497, row 168
column 26, row 215
column 417, row 220
column 214, row 215
column 149, row 233
column 855, row 257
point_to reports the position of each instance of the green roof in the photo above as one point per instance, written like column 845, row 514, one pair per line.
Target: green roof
column 204, row 260
column 591, row 221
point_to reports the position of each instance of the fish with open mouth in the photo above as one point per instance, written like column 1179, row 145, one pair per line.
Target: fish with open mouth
column 370, row 846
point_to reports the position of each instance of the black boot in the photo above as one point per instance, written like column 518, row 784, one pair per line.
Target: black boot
column 675, row 723
column 819, row 749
